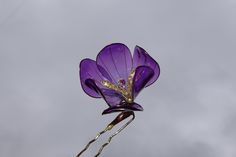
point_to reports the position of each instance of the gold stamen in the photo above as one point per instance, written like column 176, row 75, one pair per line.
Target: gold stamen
column 127, row 93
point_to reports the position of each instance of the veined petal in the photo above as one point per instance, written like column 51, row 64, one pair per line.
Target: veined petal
column 124, row 107
column 111, row 97
column 91, row 78
column 142, row 58
column 143, row 75
column 116, row 60
column 89, row 70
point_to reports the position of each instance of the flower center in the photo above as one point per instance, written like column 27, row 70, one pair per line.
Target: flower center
column 123, row 88
column 121, row 83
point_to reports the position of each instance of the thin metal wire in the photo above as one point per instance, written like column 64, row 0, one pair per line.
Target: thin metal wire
column 93, row 140
column 113, row 135
column 109, row 139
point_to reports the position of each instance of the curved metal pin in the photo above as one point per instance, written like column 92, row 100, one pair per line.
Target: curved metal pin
column 113, row 135
column 93, row 140
column 118, row 119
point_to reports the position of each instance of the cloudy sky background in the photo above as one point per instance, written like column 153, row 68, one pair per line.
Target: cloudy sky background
column 189, row 112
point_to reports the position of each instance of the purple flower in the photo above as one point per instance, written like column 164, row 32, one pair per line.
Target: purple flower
column 117, row 77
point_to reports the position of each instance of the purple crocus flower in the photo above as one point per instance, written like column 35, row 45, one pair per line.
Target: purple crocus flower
column 117, row 77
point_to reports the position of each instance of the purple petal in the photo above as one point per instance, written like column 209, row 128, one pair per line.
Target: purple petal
column 143, row 75
column 140, row 58
column 124, row 107
column 116, row 60
column 90, row 78
column 89, row 70
column 111, row 97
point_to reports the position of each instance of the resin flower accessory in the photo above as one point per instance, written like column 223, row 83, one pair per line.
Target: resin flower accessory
column 118, row 78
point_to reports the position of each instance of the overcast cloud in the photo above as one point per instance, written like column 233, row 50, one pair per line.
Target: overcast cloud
column 189, row 112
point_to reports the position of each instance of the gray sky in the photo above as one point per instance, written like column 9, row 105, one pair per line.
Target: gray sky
column 189, row 112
